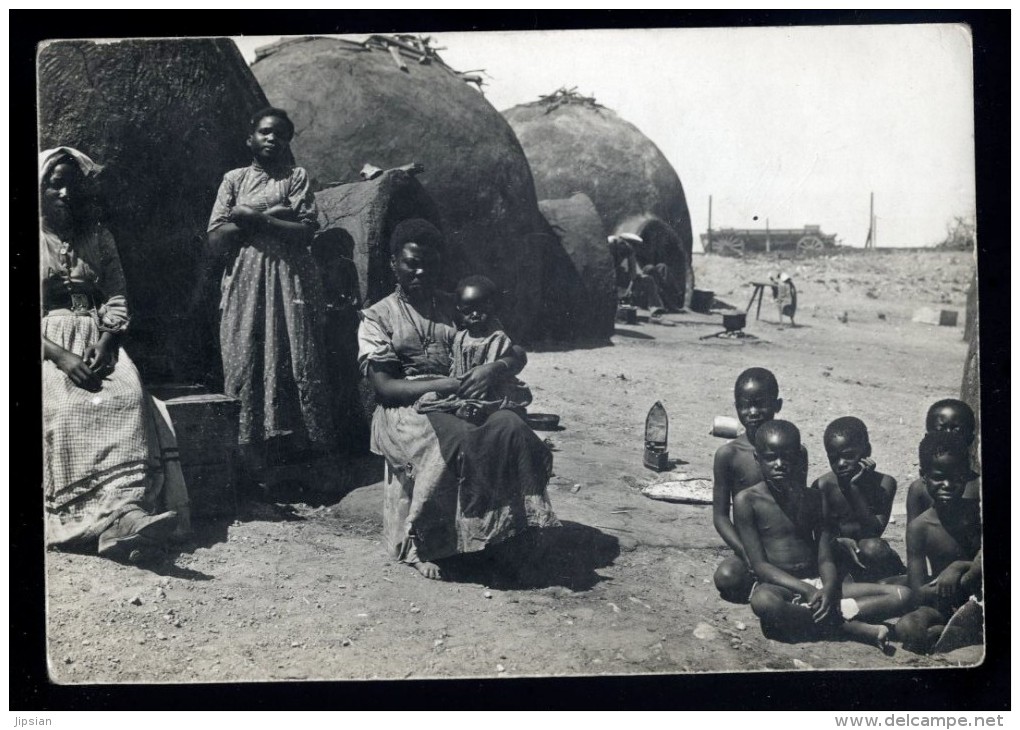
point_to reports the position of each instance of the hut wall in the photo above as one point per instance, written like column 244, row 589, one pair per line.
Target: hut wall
column 577, row 147
column 579, row 297
column 166, row 119
column 352, row 250
column 352, row 105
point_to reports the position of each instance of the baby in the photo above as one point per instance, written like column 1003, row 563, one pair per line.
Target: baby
column 479, row 340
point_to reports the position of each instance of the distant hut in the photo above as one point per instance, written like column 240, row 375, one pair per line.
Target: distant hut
column 166, row 119
column 579, row 293
column 391, row 100
column 576, row 145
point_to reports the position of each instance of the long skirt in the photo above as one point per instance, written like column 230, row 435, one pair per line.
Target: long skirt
column 460, row 487
column 104, row 452
column 271, row 345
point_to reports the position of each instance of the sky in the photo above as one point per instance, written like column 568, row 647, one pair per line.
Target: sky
column 794, row 125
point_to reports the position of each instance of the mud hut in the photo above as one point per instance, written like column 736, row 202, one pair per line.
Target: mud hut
column 351, row 248
column 970, row 387
column 579, row 292
column 390, row 100
column 575, row 145
column 166, row 119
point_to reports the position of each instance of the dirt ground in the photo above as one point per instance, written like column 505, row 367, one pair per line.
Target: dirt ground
column 305, row 591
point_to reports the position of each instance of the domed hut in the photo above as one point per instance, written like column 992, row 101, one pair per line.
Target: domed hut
column 392, row 100
column 166, row 119
column 579, row 291
column 576, row 145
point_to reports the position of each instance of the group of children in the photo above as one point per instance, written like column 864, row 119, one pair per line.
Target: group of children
column 811, row 560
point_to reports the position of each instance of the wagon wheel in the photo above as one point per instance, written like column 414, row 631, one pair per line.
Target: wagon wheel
column 728, row 246
column 810, row 243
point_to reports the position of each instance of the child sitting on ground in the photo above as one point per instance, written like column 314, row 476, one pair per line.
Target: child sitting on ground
column 946, row 536
column 756, row 397
column 858, row 499
column 788, row 540
column 954, row 416
column 479, row 340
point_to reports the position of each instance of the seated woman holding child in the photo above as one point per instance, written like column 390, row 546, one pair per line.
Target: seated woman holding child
column 465, row 483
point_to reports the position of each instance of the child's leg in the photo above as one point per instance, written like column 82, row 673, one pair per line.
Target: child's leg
column 920, row 629
column 733, row 580
column 874, row 635
column 879, row 557
column 877, row 602
column 780, row 617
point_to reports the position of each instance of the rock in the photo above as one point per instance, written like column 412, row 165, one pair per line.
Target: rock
column 500, row 668
column 487, row 594
column 136, row 601
column 345, row 642
column 705, row 632
column 741, row 626
column 575, row 489
column 799, row 664
column 415, row 609
column 295, row 644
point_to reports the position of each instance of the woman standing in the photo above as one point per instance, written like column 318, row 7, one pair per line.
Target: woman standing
column 108, row 459
column 263, row 220
column 460, row 487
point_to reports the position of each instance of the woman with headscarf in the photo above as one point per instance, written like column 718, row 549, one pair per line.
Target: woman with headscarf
column 459, row 488
column 263, row 221
column 109, row 454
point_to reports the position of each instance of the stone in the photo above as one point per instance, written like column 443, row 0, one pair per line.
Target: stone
column 705, row 632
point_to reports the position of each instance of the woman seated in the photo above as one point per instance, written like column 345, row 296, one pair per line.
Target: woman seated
column 460, row 487
column 108, row 453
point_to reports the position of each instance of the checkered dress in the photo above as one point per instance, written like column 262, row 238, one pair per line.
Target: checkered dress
column 103, row 452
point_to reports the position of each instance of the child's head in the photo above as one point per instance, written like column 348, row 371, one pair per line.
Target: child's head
column 846, row 443
column 269, row 134
column 952, row 415
column 756, row 396
column 945, row 465
column 778, row 451
column 477, row 298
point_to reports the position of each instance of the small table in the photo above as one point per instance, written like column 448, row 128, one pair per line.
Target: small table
column 759, row 294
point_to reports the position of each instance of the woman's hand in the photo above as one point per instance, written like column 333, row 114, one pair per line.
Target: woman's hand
column 481, row 380
column 247, row 217
column 76, row 369
column 102, row 356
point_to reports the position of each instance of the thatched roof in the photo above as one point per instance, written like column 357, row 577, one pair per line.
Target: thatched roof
column 166, row 119
column 573, row 144
column 356, row 103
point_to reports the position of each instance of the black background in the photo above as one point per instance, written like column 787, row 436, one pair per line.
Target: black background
column 982, row 688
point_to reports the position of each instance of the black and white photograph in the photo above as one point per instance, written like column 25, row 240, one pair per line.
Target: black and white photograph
column 502, row 354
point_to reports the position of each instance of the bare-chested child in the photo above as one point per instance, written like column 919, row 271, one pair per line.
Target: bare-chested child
column 788, row 540
column 954, row 416
column 946, row 536
column 858, row 499
column 756, row 397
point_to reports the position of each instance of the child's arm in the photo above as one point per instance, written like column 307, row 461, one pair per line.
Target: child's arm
column 888, row 485
column 722, row 492
column 747, row 528
column 865, row 522
column 824, row 600
column 916, row 500
column 971, row 580
column 917, row 565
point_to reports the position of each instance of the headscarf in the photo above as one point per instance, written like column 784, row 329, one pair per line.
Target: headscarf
column 49, row 158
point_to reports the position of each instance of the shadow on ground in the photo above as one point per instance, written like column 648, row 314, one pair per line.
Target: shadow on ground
column 567, row 556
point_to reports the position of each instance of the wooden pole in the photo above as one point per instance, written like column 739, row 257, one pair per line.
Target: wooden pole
column 708, row 246
column 768, row 241
column 871, row 223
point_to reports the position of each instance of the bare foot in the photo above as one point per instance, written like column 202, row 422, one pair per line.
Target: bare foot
column 869, row 634
column 429, row 570
column 882, row 640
